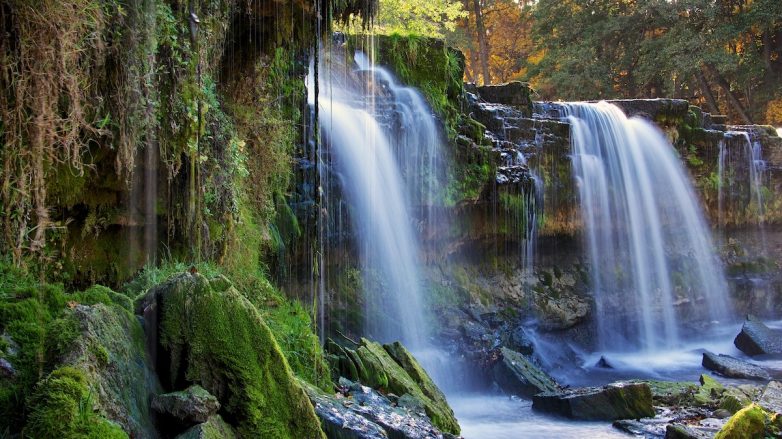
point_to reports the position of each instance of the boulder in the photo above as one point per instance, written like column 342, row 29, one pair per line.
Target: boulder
column 520, row 341
column 749, row 422
column 220, row 341
column 771, row 399
column 188, row 407
column 734, row 398
column 607, row 403
column 363, row 413
column 756, row 338
column 672, row 393
column 381, row 371
column 678, row 431
column 404, row 358
column 733, row 367
column 516, row 374
column 213, row 428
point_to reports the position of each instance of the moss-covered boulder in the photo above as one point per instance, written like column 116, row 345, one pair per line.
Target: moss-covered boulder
column 383, row 372
column 220, row 341
column 516, row 374
column 404, row 358
column 62, row 406
column 611, row 402
column 191, row 406
column 747, row 423
column 213, row 428
column 710, row 391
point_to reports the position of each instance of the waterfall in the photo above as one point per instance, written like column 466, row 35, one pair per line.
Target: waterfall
column 381, row 147
column 652, row 258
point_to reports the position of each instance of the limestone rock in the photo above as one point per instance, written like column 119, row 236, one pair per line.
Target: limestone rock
column 733, row 367
column 756, row 338
column 611, row 402
column 515, row 373
column 189, row 407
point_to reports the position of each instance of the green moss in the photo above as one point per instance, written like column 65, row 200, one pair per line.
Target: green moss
column 385, row 373
column 61, row 406
column 709, row 392
column 220, row 341
column 747, row 423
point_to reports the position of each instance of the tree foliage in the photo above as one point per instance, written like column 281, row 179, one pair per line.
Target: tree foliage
column 725, row 55
column 432, row 18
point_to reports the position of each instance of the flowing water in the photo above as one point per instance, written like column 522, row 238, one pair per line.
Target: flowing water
column 653, row 263
column 381, row 145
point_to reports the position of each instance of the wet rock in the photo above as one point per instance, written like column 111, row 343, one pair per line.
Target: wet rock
column 771, row 399
column 382, row 371
column 366, row 414
column 756, row 338
column 404, row 358
column 678, row 431
column 722, row 414
column 672, row 393
column 559, row 313
column 733, row 367
column 603, row 363
column 6, row 369
column 608, row 403
column 647, row 428
column 213, row 428
column 516, row 374
column 520, row 341
column 188, row 407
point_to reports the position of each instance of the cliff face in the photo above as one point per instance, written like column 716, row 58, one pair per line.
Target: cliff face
column 159, row 128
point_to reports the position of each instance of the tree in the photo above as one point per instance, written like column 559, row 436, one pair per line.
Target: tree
column 431, row 18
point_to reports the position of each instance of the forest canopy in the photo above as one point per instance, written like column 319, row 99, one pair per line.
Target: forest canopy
column 725, row 55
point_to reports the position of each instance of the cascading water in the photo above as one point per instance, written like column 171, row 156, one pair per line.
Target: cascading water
column 382, row 146
column 653, row 265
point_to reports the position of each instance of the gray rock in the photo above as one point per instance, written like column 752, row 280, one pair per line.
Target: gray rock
column 733, row 367
column 646, row 428
column 756, row 338
column 771, row 399
column 213, row 428
column 516, row 374
column 514, row 93
column 521, row 342
column 6, row 369
column 191, row 406
column 366, row 414
column 678, row 431
column 609, row 403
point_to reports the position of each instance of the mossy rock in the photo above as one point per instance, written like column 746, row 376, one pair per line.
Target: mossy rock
column 61, row 407
column 747, row 423
column 404, row 358
column 385, row 373
column 672, row 393
column 710, row 391
column 220, row 341
column 213, row 428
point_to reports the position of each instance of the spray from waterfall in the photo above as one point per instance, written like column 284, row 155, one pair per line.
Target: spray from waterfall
column 652, row 258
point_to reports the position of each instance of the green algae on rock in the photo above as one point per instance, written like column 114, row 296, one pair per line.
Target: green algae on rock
column 221, row 342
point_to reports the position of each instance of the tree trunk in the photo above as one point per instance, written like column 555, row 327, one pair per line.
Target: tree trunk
column 483, row 46
column 711, row 101
column 734, row 101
